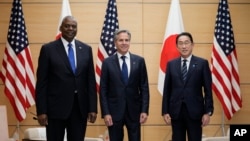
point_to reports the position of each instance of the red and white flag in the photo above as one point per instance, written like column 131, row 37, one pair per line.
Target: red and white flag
column 173, row 28
column 225, row 73
column 17, row 69
column 106, row 46
column 65, row 11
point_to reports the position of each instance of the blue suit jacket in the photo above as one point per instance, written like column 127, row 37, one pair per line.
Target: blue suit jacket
column 196, row 92
column 117, row 97
column 57, row 84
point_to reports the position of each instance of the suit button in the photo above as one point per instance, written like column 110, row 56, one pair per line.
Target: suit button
column 75, row 91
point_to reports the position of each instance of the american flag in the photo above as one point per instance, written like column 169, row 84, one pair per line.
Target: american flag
column 17, row 70
column 225, row 74
column 106, row 46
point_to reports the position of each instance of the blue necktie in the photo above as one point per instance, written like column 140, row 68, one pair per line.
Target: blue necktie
column 124, row 70
column 71, row 57
column 184, row 70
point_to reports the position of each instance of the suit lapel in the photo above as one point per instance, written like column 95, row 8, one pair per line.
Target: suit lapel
column 61, row 51
column 116, row 64
column 178, row 67
column 192, row 66
column 79, row 56
column 132, row 67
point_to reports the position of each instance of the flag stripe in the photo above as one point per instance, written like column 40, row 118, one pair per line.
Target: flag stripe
column 100, row 58
column 17, row 69
column 106, row 46
column 30, row 83
column 225, row 74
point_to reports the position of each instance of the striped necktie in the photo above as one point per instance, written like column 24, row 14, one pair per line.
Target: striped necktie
column 184, row 70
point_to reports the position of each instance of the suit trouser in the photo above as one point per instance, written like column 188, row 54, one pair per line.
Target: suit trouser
column 116, row 132
column 184, row 124
column 75, row 126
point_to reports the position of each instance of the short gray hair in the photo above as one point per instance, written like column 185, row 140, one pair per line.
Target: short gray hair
column 117, row 32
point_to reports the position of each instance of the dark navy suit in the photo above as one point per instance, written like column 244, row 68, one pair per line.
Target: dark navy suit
column 60, row 93
column 124, row 101
column 188, row 100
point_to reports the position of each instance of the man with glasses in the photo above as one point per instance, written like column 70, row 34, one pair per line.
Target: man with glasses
column 187, row 95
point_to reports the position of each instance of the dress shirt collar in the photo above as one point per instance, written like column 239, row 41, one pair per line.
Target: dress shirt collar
column 127, row 55
column 188, row 58
column 65, row 43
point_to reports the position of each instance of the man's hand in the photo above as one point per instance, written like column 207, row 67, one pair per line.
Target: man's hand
column 92, row 117
column 205, row 119
column 167, row 118
column 108, row 120
column 143, row 118
column 42, row 119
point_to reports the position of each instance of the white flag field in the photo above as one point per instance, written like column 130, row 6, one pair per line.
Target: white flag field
column 173, row 28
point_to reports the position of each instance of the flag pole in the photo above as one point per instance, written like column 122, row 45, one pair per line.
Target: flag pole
column 15, row 135
column 18, row 130
column 223, row 123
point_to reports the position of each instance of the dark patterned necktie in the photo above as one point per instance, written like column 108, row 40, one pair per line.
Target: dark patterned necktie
column 124, row 70
column 184, row 70
column 71, row 57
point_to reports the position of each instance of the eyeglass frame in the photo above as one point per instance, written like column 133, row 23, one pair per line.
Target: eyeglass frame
column 186, row 43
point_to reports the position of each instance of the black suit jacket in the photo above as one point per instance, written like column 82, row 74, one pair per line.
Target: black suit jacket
column 196, row 92
column 117, row 97
column 57, row 84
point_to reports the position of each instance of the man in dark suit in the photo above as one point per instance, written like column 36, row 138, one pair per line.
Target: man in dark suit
column 187, row 96
column 124, row 97
column 66, row 95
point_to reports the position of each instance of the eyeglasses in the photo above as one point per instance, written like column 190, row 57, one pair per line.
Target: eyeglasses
column 186, row 43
